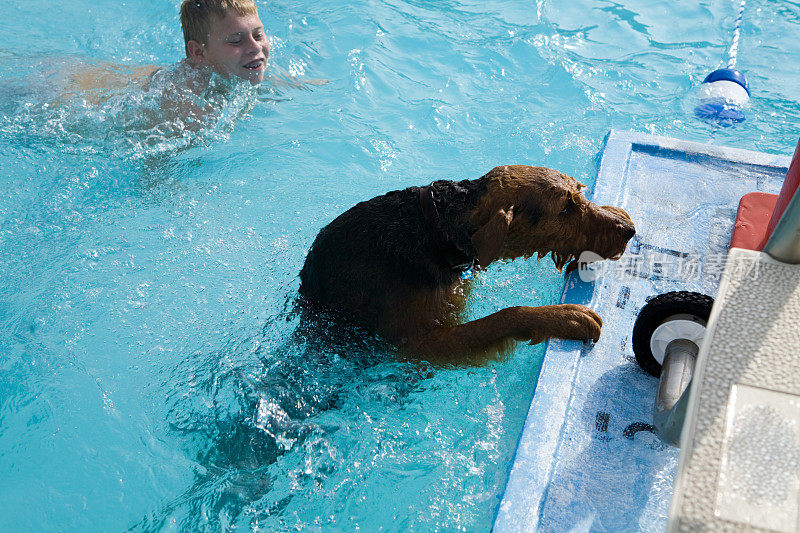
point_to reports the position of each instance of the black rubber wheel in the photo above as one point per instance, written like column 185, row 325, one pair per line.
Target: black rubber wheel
column 656, row 312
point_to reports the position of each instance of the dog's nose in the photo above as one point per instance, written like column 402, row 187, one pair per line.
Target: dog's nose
column 629, row 231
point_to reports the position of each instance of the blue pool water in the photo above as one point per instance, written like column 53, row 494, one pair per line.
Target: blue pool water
column 148, row 375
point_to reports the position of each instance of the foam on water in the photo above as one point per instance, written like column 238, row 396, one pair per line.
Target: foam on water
column 145, row 118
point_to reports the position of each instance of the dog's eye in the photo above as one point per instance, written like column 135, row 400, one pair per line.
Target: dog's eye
column 569, row 207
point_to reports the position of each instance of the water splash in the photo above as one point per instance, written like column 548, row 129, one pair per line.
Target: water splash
column 177, row 107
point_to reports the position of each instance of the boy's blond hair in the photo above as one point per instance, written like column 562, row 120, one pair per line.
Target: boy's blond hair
column 196, row 16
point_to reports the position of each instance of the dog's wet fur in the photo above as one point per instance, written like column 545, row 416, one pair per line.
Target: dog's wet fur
column 382, row 267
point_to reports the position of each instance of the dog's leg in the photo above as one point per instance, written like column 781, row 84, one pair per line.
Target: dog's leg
column 494, row 332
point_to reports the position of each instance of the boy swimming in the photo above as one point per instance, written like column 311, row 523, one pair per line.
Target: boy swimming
column 150, row 108
column 225, row 44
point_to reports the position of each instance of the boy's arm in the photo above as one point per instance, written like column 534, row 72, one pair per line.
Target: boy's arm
column 282, row 78
column 94, row 81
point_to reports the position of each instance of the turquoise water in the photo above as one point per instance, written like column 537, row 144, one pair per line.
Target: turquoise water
column 148, row 375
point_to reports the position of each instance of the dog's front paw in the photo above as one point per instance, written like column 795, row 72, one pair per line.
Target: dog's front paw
column 565, row 321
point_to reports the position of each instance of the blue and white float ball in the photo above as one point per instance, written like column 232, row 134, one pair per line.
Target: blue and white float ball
column 723, row 97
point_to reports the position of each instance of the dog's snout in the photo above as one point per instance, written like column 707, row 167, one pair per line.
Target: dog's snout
column 629, row 230
column 621, row 221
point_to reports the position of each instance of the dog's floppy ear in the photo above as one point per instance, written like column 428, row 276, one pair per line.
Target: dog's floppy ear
column 488, row 240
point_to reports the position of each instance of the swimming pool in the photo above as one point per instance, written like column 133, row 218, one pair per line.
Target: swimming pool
column 147, row 376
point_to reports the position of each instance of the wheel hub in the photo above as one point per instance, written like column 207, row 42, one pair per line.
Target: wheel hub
column 678, row 327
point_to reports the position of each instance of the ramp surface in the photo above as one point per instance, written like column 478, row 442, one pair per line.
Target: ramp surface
column 587, row 459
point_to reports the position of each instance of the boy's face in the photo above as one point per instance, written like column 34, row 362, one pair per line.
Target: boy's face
column 237, row 46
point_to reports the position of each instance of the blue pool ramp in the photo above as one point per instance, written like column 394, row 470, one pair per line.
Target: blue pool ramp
column 588, row 459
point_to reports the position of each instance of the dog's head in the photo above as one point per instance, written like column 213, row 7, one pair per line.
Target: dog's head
column 533, row 210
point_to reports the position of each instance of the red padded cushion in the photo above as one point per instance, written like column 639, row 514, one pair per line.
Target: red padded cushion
column 752, row 220
column 790, row 184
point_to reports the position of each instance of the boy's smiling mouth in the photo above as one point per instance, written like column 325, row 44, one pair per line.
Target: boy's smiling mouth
column 254, row 65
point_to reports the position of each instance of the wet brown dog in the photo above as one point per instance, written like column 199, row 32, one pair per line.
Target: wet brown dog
column 393, row 264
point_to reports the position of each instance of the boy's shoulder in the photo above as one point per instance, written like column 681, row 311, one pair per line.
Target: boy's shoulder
column 181, row 76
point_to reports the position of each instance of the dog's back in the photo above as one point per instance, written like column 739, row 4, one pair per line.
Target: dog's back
column 379, row 253
column 365, row 251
